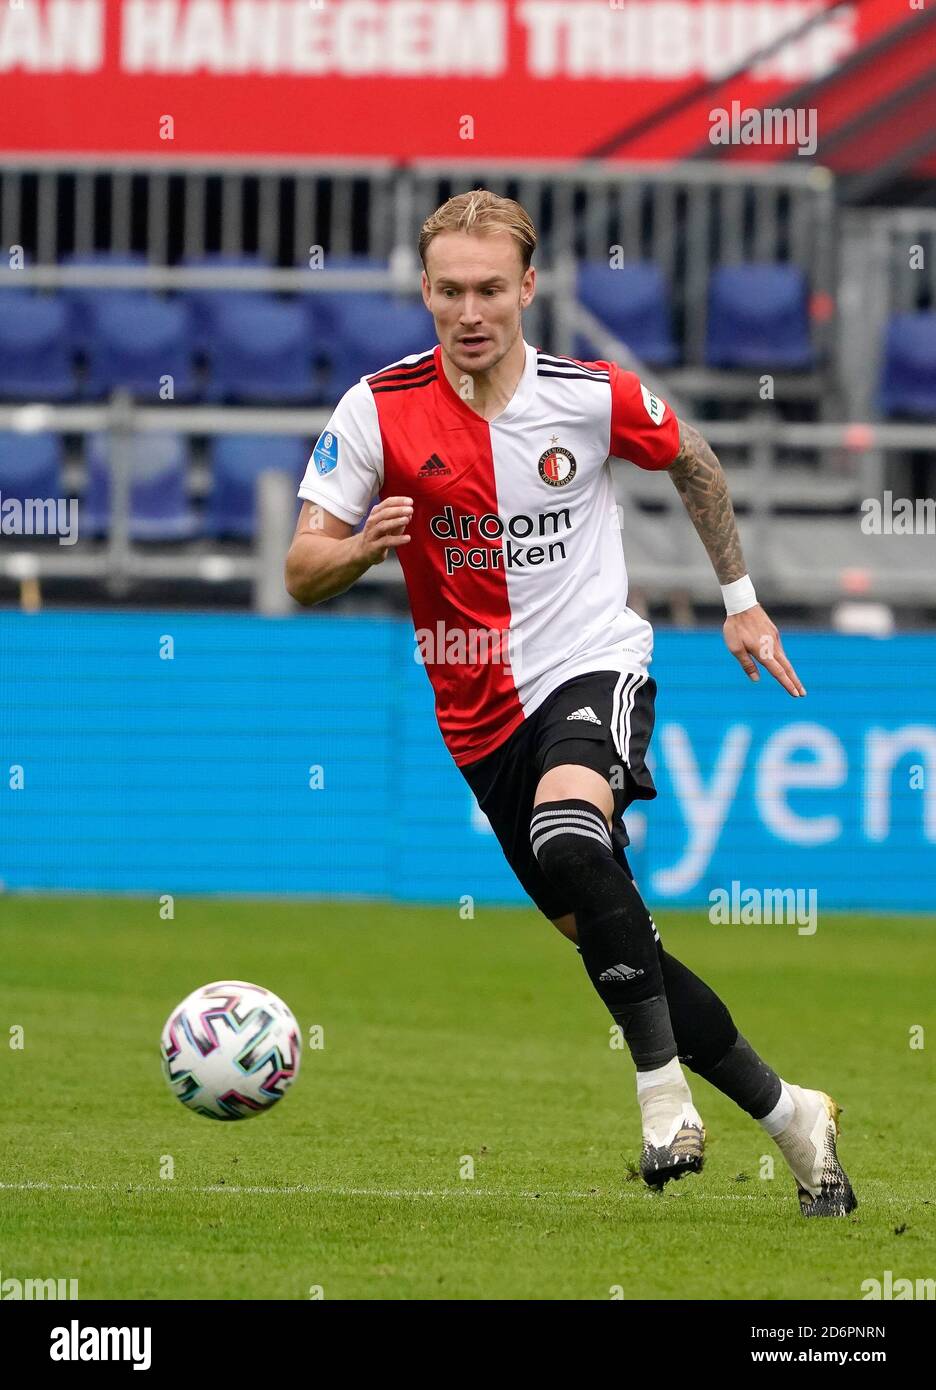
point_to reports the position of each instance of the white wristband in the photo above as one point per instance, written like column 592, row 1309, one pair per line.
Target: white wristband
column 739, row 595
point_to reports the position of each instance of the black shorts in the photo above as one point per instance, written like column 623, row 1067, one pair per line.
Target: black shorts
column 602, row 720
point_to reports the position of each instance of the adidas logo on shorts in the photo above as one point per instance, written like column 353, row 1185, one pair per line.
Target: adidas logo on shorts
column 586, row 712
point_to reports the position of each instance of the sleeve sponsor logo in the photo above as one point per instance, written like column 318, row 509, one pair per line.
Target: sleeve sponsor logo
column 654, row 407
column 325, row 453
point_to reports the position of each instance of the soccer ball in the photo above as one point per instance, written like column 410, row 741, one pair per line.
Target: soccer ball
column 230, row 1050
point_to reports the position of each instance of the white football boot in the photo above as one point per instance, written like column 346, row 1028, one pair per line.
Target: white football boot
column 808, row 1145
column 673, row 1134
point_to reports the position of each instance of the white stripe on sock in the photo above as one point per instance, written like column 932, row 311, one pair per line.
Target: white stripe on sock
column 550, row 821
column 568, row 815
column 541, row 839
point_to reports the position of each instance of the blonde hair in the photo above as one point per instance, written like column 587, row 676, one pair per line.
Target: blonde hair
column 481, row 211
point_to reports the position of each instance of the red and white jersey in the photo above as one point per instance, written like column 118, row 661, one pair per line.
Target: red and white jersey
column 515, row 571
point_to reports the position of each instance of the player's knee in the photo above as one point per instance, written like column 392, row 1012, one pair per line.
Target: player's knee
column 568, row 836
column 566, row 925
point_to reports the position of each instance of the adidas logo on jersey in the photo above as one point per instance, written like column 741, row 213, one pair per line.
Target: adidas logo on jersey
column 586, row 712
column 433, row 468
column 619, row 972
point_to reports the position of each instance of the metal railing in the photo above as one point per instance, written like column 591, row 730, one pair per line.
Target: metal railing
column 904, row 247
column 844, row 465
column 277, row 208
column 688, row 217
column 888, row 266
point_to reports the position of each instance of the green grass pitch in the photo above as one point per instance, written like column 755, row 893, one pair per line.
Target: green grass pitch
column 444, row 1040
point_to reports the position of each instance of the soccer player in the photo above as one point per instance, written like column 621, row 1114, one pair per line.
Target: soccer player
column 492, row 460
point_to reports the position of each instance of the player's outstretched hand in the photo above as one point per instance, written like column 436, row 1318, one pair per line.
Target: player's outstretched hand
column 385, row 528
column 751, row 634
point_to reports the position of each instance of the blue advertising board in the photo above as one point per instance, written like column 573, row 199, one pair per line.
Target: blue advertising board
column 178, row 752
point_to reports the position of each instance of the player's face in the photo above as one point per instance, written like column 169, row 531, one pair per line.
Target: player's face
column 475, row 291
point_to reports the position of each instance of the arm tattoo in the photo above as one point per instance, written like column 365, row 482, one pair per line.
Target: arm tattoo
column 700, row 481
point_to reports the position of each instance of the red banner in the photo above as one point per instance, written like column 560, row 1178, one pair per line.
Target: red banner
column 450, row 79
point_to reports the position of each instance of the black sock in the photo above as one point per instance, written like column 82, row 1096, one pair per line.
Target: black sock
column 647, row 1030
column 710, row 1044
column 747, row 1079
column 572, row 845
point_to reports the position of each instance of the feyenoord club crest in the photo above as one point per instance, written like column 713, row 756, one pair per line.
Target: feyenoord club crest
column 557, row 467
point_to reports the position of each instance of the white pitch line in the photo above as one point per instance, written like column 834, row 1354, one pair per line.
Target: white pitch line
column 403, row 1193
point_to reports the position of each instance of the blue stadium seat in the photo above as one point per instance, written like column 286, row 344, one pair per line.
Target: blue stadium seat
column 236, row 463
column 758, row 317
column 160, row 509
column 633, row 302
column 328, row 304
column 205, row 304
column 354, row 333
column 323, row 309
column 137, row 340
column 908, row 386
column 30, row 465
column 260, row 351
column 81, row 302
column 36, row 349
column 372, row 331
